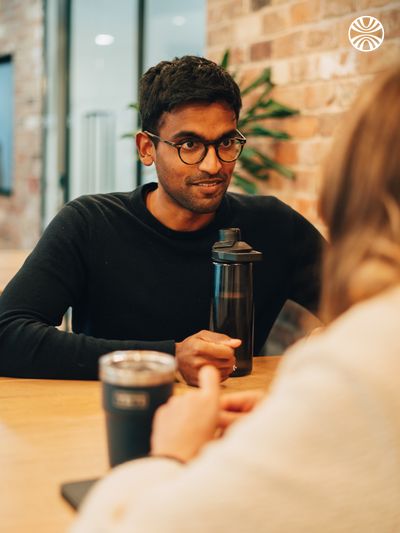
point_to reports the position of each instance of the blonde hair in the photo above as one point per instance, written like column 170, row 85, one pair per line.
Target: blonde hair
column 360, row 200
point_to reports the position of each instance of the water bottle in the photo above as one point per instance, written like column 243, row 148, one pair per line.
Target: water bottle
column 232, row 304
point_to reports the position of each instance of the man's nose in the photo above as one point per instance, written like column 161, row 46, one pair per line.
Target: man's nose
column 210, row 164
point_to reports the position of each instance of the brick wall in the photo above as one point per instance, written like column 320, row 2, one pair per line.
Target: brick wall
column 21, row 34
column 315, row 70
column 313, row 65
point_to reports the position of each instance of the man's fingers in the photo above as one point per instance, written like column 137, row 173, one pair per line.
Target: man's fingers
column 218, row 338
column 233, row 343
column 223, row 365
column 225, row 375
column 209, row 380
column 213, row 351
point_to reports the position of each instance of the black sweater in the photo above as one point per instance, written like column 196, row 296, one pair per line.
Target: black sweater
column 133, row 283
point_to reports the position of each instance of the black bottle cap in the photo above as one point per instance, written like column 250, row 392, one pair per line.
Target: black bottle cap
column 230, row 249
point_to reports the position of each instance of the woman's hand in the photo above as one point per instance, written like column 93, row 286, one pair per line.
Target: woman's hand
column 185, row 423
column 236, row 405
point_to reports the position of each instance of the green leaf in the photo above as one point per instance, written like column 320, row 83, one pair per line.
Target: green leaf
column 272, row 108
column 134, row 106
column 273, row 105
column 259, row 131
column 251, row 153
column 282, row 169
column 277, row 109
column 244, row 183
column 268, row 162
column 254, row 167
column 264, row 77
column 225, row 59
column 260, row 102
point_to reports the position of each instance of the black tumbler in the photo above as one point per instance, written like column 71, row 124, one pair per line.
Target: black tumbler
column 232, row 305
column 135, row 384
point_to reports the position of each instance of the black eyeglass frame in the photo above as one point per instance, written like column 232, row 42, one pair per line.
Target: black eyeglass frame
column 242, row 141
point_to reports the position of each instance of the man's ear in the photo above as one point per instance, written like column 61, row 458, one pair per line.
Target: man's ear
column 145, row 148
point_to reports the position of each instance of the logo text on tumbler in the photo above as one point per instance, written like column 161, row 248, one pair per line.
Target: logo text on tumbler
column 130, row 400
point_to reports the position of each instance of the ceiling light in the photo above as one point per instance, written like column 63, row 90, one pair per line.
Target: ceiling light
column 179, row 20
column 104, row 39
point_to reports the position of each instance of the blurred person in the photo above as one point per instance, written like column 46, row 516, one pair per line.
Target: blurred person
column 321, row 452
column 135, row 267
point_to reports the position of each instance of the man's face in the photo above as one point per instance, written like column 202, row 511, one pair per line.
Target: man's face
column 198, row 188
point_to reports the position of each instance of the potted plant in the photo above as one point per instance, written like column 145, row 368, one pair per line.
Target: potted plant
column 254, row 161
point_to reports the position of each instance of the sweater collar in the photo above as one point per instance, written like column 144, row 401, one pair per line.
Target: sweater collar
column 221, row 219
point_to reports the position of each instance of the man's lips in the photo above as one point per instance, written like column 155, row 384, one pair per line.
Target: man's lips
column 208, row 183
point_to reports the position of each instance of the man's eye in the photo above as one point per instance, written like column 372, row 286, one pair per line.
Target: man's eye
column 227, row 143
column 190, row 145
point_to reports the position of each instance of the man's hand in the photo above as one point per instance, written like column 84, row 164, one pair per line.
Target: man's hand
column 185, row 423
column 236, row 405
column 206, row 348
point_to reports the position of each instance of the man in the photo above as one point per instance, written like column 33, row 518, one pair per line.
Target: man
column 136, row 267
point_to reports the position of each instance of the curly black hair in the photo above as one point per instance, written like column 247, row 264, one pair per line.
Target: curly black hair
column 183, row 80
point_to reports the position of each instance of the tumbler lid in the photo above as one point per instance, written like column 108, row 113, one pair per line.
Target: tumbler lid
column 135, row 368
column 230, row 249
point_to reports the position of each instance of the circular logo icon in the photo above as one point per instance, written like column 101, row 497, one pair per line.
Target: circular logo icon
column 366, row 33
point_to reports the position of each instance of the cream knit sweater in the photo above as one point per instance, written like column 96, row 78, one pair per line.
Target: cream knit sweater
column 321, row 454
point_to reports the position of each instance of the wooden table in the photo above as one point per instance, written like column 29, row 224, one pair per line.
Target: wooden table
column 10, row 262
column 53, row 431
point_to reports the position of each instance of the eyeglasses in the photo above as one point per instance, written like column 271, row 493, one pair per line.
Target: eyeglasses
column 192, row 151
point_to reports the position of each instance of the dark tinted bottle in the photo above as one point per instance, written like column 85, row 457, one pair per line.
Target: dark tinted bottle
column 232, row 304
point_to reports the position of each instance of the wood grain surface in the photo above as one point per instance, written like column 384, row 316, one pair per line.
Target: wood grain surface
column 53, row 432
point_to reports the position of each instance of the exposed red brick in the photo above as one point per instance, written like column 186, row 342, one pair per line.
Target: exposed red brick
column 248, row 75
column 365, row 4
column 21, row 34
column 338, row 7
column 306, row 180
column 259, row 51
column 328, row 123
column 323, row 38
column 289, row 45
column 307, row 206
column 275, row 21
column 255, row 5
column 301, row 126
column 287, row 152
column 313, row 152
column 275, row 182
column 347, row 91
column 391, row 22
column 304, row 68
column 320, row 95
column 384, row 57
column 219, row 36
column 305, row 11
column 223, row 11
column 292, row 96
column 238, row 55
